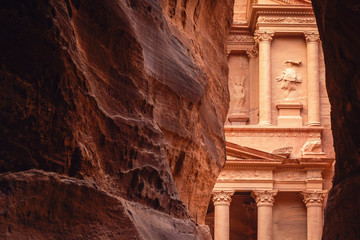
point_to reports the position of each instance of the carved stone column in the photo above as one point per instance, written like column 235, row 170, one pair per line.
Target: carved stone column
column 314, row 204
column 253, row 85
column 222, row 215
column 312, row 41
column 264, row 40
column 264, row 201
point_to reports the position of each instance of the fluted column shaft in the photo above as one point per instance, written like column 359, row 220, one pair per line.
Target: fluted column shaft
column 312, row 41
column 314, row 204
column 264, row 40
column 222, row 215
column 264, row 201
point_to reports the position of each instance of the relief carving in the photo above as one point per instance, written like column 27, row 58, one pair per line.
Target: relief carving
column 237, row 92
column 240, row 38
column 289, row 77
column 285, row 151
column 297, row 20
column 312, row 146
column 233, row 175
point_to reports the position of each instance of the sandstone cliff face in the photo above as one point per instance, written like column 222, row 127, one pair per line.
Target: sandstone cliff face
column 112, row 117
column 338, row 23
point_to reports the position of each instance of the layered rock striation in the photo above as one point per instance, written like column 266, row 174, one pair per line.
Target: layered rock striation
column 339, row 31
column 112, row 117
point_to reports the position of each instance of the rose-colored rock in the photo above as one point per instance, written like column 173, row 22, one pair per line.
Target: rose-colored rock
column 339, row 32
column 120, row 106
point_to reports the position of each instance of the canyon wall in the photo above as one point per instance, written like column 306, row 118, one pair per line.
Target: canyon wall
column 338, row 23
column 112, row 117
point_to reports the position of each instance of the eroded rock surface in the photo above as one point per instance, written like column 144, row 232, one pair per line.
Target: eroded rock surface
column 339, row 31
column 120, row 106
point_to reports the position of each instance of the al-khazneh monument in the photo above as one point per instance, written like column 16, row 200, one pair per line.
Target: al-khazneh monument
column 279, row 141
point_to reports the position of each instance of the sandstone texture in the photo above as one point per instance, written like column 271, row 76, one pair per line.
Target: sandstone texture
column 338, row 23
column 112, row 116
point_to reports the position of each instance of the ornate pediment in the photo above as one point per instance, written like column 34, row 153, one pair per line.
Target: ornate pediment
column 241, row 152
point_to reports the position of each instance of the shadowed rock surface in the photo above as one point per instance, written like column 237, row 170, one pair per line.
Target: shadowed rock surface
column 338, row 23
column 112, row 117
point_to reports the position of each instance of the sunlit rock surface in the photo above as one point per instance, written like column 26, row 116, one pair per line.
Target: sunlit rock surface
column 338, row 23
column 118, row 107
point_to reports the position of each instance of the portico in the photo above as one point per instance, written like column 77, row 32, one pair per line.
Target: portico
column 265, row 176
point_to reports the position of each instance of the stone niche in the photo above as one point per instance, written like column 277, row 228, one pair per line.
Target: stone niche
column 289, row 83
column 239, row 87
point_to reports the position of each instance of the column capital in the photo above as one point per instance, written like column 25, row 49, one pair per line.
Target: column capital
column 314, row 198
column 263, row 36
column 222, row 198
column 264, row 198
column 252, row 53
column 312, row 37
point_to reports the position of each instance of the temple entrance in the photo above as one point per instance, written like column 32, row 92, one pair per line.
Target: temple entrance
column 243, row 217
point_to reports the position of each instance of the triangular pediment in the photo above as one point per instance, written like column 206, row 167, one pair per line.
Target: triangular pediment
column 241, row 152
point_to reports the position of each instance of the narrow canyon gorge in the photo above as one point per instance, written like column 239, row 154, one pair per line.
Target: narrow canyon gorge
column 113, row 112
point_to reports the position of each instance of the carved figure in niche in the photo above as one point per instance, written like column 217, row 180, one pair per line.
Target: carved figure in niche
column 289, row 77
column 237, row 94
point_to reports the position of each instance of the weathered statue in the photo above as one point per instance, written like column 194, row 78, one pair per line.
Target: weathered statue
column 237, row 93
column 289, row 77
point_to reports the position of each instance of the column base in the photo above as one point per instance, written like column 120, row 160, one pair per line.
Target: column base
column 314, row 124
column 265, row 123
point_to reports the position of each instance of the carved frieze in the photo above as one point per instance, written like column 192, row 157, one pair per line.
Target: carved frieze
column 233, row 175
column 314, row 175
column 254, row 132
column 240, row 38
column 222, row 198
column 290, row 176
column 264, row 198
column 287, row 20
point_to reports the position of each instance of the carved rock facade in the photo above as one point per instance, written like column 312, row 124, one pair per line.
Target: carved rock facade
column 279, row 143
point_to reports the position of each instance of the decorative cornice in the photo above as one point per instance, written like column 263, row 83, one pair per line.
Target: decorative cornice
column 286, row 20
column 294, row 2
column 263, row 36
column 238, row 164
column 222, row 198
column 274, row 131
column 314, row 198
column 264, row 198
column 240, row 38
column 312, row 37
